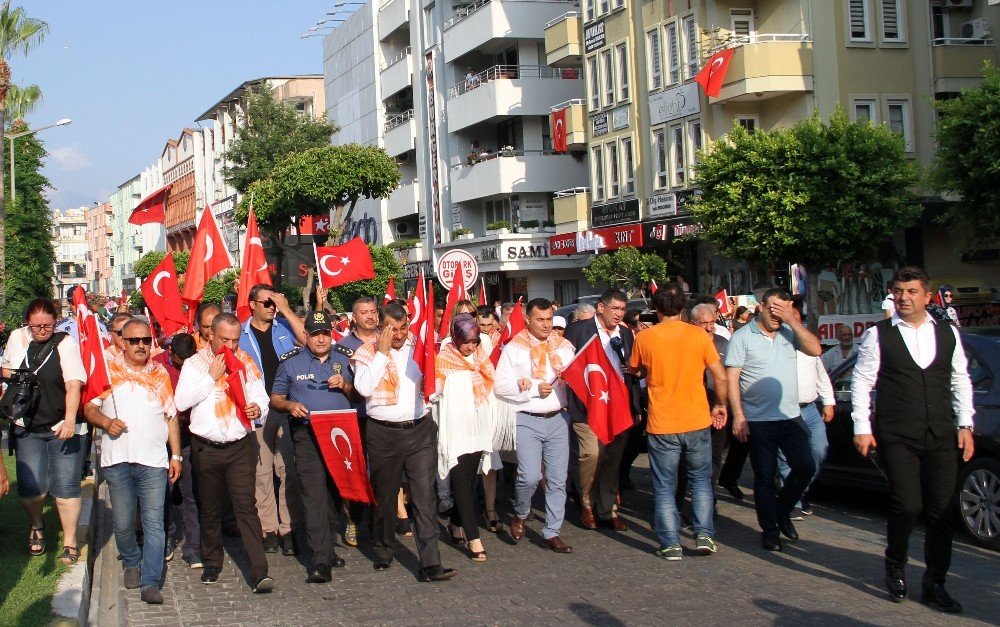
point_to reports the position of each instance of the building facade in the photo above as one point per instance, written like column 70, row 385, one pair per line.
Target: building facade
column 69, row 239
column 99, row 256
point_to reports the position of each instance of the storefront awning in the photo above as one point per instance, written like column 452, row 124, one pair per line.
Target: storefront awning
column 596, row 240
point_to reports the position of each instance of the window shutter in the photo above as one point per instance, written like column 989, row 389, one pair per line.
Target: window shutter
column 859, row 19
column 890, row 19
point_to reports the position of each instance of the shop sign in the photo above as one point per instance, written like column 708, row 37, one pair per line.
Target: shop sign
column 858, row 323
column 593, row 37
column 600, row 124
column 457, row 263
column 657, row 233
column 680, row 230
column 619, row 118
column 675, row 103
column 596, row 240
column 412, row 270
column 531, row 251
column 489, row 253
column 615, row 213
column 662, row 205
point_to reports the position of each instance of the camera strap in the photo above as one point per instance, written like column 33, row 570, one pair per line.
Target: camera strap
column 44, row 354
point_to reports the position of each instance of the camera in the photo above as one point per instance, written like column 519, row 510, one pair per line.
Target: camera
column 649, row 317
column 21, row 396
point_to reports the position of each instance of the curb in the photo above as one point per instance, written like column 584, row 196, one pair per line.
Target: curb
column 107, row 604
column 71, row 601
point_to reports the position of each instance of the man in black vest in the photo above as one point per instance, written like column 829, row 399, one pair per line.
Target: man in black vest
column 917, row 368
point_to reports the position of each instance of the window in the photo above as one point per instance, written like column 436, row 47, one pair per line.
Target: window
column 749, row 122
column 590, row 10
column 892, row 21
column 597, row 172
column 566, row 291
column 607, row 66
column 499, row 209
column 691, row 45
column 619, row 4
column 595, row 82
column 605, row 6
column 741, row 21
column 857, row 15
column 673, row 54
column 623, row 87
column 655, row 60
column 628, row 167
column 660, row 150
column 677, row 154
column 613, row 176
column 898, row 119
column 694, row 139
column 863, row 109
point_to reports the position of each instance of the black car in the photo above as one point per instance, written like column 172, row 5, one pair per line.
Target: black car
column 979, row 480
column 566, row 311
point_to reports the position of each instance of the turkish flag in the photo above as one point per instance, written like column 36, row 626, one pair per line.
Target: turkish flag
column 163, row 297
column 722, row 298
column 209, row 256
column 652, row 288
column 455, row 294
column 515, row 324
column 254, row 269
column 152, row 208
column 600, row 387
column 314, row 225
column 339, row 441
column 422, row 327
column 91, row 348
column 560, row 140
column 711, row 76
column 482, row 292
column 236, row 376
column 390, row 291
column 345, row 263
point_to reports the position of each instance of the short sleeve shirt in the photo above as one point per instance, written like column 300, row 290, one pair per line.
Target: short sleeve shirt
column 302, row 379
column 769, row 382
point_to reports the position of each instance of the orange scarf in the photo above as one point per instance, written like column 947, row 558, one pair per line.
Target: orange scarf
column 152, row 378
column 543, row 352
column 385, row 392
column 450, row 361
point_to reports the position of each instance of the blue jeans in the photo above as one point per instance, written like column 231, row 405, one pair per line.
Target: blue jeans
column 817, row 442
column 542, row 440
column 132, row 485
column 665, row 453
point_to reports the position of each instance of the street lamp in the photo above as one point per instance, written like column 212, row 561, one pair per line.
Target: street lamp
column 13, row 136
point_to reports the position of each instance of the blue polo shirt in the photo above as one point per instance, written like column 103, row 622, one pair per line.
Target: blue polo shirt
column 282, row 338
column 769, row 382
column 302, row 378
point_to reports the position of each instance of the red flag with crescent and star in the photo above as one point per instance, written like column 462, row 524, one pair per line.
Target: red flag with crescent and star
column 152, row 208
column 91, row 348
column 600, row 387
column 390, row 291
column 339, row 442
column 482, row 291
column 342, row 264
column 254, row 270
column 162, row 296
column 560, row 139
column 711, row 76
column 515, row 324
column 236, row 376
column 209, row 256
column 456, row 294
column 722, row 299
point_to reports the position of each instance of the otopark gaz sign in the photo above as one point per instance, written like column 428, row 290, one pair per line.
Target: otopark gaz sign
column 457, row 263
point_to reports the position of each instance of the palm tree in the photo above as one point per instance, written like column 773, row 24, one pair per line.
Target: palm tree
column 20, row 101
column 19, row 34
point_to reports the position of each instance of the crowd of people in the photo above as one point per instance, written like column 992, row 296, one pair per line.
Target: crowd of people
column 208, row 434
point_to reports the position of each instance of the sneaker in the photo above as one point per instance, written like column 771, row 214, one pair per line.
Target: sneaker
column 705, row 544
column 672, row 553
column 271, row 542
column 351, row 534
column 194, row 560
column 796, row 514
column 806, row 508
column 132, row 578
column 169, row 549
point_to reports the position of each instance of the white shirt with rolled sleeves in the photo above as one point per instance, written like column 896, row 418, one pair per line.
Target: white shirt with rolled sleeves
column 514, row 365
column 813, row 381
column 922, row 346
column 409, row 400
column 147, row 418
column 196, row 390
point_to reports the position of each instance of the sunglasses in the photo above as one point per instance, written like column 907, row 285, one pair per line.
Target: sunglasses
column 135, row 341
column 267, row 303
column 947, row 294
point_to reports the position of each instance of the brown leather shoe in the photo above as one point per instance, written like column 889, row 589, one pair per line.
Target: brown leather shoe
column 587, row 518
column 614, row 523
column 516, row 527
column 557, row 545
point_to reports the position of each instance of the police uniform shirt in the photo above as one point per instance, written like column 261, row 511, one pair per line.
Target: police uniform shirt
column 302, row 378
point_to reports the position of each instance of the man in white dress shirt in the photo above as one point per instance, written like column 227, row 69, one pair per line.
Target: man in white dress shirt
column 223, row 451
column 918, row 368
column 528, row 374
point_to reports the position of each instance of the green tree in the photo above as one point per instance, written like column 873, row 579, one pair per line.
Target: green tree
column 145, row 265
column 19, row 34
column 626, row 268
column 20, row 102
column 386, row 265
column 816, row 194
column 967, row 162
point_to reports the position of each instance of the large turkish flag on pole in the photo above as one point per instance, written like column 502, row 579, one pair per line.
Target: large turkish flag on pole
column 152, row 208
column 515, row 324
column 342, row 264
column 560, row 140
column 339, row 441
column 422, row 327
column 711, row 76
column 253, row 271
column 390, row 291
column 162, row 296
column 209, row 257
column 91, row 347
column 599, row 386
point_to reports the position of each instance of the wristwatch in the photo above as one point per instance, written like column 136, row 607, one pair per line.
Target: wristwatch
column 967, row 428
column 176, row 458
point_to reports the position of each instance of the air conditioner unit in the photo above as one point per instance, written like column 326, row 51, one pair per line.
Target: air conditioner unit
column 976, row 29
column 958, row 4
column 402, row 228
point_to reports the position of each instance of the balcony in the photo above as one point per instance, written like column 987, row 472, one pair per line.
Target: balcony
column 524, row 172
column 572, row 208
column 766, row 66
column 403, row 201
column 412, row 254
column 576, row 123
column 509, row 90
column 958, row 63
column 397, row 73
column 563, row 47
column 400, row 133
column 488, row 26
column 393, row 15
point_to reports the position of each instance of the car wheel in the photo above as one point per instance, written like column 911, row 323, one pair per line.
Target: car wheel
column 979, row 501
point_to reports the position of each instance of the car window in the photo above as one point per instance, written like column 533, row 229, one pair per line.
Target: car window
column 978, row 371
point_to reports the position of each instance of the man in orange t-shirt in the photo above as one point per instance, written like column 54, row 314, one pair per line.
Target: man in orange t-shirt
column 673, row 356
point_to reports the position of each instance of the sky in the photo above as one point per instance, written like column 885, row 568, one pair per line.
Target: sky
column 132, row 74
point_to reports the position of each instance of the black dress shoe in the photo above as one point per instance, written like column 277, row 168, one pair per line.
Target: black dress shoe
column 436, row 573
column 271, row 542
column 895, row 582
column 288, row 545
column 210, row 575
column 733, row 489
column 938, row 598
column 787, row 529
column 380, row 566
column 336, row 561
column 772, row 544
column 320, row 574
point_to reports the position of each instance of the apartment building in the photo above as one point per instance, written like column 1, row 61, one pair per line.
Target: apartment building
column 100, row 259
column 69, row 239
column 644, row 118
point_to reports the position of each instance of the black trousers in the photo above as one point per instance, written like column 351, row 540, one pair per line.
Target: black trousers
column 320, row 499
column 233, row 468
column 922, row 477
column 791, row 437
column 464, row 490
column 393, row 453
column 736, row 458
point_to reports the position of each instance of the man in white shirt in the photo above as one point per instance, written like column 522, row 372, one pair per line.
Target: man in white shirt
column 528, row 374
column 401, row 438
column 918, row 368
column 223, row 450
column 842, row 352
column 139, row 420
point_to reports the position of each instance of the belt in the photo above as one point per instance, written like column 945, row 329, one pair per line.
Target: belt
column 402, row 424
column 804, row 405
column 547, row 414
column 214, row 444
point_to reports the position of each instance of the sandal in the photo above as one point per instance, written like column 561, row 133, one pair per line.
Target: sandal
column 36, row 540
column 69, row 555
column 403, row 527
column 494, row 524
column 477, row 556
column 458, row 540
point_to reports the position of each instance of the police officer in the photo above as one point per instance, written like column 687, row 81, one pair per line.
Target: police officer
column 316, row 379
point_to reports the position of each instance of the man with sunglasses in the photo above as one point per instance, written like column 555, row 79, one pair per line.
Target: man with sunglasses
column 115, row 327
column 139, row 420
column 269, row 340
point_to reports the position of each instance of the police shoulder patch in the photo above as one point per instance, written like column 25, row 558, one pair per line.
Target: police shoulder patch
column 289, row 354
column 343, row 350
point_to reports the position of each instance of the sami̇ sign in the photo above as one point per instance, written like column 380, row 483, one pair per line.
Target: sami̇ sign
column 457, row 263
column 597, row 240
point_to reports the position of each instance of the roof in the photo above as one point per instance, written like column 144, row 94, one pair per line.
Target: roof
column 237, row 94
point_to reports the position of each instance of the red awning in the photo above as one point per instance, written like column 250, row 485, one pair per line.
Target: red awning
column 596, row 240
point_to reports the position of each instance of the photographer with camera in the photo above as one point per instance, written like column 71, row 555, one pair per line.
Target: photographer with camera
column 44, row 375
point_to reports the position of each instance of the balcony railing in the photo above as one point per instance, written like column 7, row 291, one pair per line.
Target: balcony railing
column 511, row 72
column 465, row 11
column 402, row 54
column 398, row 120
column 573, row 191
column 960, row 41
column 503, row 152
column 565, row 16
column 757, row 38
